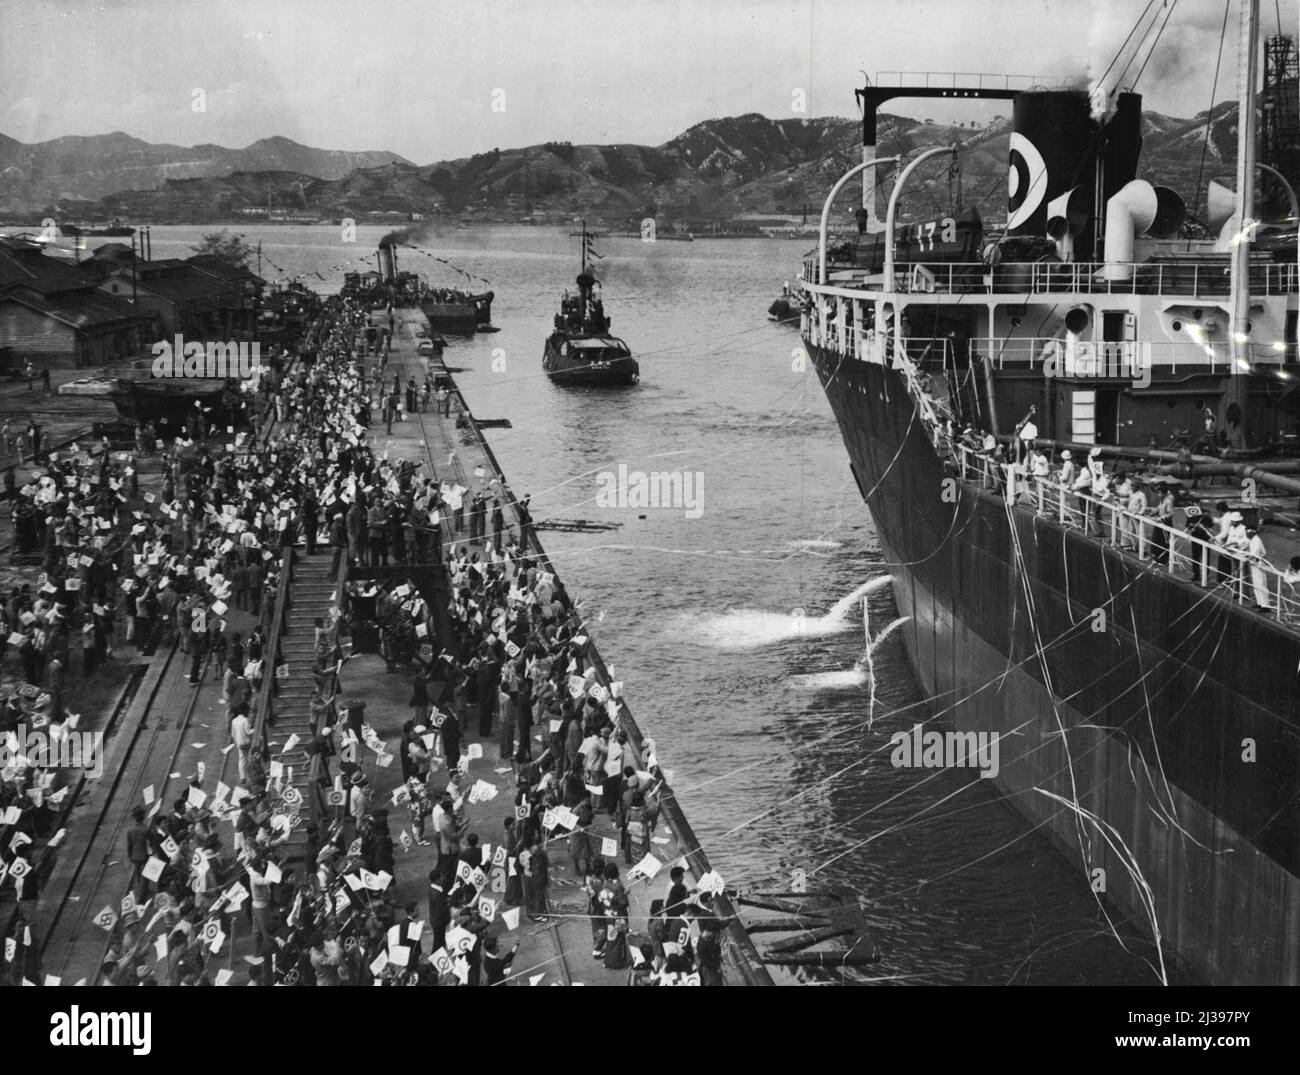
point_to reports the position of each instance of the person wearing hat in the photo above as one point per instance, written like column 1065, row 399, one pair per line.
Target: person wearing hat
column 1065, row 480
column 1161, row 538
column 1227, row 520
column 1040, row 469
column 1238, row 542
column 1258, row 577
column 1199, row 537
column 1136, row 507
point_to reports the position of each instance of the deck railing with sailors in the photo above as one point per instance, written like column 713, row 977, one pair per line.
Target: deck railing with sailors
column 1206, row 562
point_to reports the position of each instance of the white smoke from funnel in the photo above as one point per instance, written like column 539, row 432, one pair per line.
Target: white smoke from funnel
column 1181, row 68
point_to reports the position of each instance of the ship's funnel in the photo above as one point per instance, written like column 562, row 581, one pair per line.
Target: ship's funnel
column 1170, row 211
column 387, row 263
column 1059, row 153
column 1220, row 204
column 1051, row 130
column 1128, row 214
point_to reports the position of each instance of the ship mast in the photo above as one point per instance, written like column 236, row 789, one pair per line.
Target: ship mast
column 1239, row 374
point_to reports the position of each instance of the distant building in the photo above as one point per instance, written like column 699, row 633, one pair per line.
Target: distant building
column 106, row 259
column 53, row 313
column 245, row 280
column 187, row 299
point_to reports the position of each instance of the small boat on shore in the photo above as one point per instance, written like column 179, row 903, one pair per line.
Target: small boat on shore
column 581, row 350
column 170, row 402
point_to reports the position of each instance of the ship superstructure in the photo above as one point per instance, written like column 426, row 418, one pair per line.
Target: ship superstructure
column 1000, row 412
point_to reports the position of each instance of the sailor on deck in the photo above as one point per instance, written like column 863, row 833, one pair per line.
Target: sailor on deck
column 1258, row 577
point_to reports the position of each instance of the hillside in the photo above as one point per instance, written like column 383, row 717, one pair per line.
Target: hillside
column 90, row 168
column 716, row 169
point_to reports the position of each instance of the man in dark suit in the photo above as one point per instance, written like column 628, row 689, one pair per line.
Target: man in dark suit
column 310, row 521
column 439, row 911
column 498, row 524
column 137, row 853
column 678, row 894
column 253, row 573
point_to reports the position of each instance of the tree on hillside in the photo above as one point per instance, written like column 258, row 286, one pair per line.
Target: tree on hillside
column 232, row 249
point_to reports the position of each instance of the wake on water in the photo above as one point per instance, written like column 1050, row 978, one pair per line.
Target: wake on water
column 813, row 544
column 859, row 675
column 746, row 628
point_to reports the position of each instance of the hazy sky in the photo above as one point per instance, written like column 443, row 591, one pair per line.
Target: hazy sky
column 420, row 77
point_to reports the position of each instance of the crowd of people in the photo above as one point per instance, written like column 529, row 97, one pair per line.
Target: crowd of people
column 508, row 652
column 510, row 658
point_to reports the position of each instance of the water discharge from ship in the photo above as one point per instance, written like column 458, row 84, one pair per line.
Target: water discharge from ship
column 862, row 674
column 747, row 628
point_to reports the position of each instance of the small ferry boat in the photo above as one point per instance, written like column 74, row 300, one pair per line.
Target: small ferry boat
column 581, row 350
column 461, row 313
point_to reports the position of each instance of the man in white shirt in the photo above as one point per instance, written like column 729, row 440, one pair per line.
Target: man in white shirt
column 1239, row 543
column 1040, row 470
column 1137, row 506
column 241, row 734
column 1258, row 576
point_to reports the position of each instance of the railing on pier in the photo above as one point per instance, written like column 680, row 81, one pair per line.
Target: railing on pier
column 317, row 808
column 276, row 625
column 1204, row 562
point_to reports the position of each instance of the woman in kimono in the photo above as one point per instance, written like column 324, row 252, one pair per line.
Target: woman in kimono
column 580, row 849
column 537, row 879
column 591, row 885
column 614, row 905
column 514, row 894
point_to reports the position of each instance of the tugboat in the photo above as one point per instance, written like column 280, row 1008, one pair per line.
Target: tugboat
column 581, row 351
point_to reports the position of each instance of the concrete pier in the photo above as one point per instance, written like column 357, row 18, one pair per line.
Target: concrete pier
column 559, row 950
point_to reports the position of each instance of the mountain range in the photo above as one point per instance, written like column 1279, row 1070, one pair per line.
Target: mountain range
column 717, row 168
column 87, row 168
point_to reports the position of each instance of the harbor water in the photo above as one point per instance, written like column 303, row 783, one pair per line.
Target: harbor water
column 735, row 617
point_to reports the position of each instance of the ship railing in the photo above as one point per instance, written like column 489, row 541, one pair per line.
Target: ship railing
column 1109, row 360
column 1164, row 277
column 966, row 80
column 1122, row 359
column 1249, row 580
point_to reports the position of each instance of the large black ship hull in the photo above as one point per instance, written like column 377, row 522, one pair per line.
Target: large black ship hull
column 1174, row 725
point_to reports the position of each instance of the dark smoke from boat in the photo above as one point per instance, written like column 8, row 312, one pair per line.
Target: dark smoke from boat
column 400, row 237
